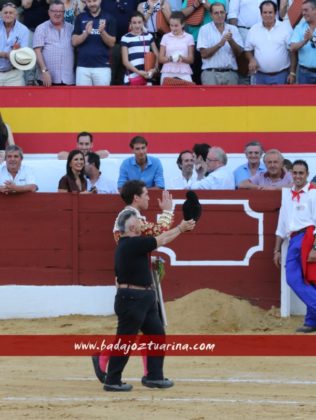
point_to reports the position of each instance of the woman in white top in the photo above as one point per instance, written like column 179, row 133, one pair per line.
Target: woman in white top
column 176, row 50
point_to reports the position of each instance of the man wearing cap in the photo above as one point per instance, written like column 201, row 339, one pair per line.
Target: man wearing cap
column 13, row 35
column 53, row 48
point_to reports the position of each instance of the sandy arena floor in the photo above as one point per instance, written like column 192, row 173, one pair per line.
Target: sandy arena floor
column 205, row 387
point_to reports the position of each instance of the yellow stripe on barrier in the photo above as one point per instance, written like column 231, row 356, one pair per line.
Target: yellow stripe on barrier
column 162, row 120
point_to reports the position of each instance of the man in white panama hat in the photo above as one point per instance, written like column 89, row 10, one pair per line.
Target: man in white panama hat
column 13, row 37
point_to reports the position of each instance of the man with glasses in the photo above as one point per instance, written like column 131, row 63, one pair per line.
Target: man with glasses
column 53, row 48
column 219, row 44
column 303, row 41
column 13, row 35
column 219, row 176
column 253, row 152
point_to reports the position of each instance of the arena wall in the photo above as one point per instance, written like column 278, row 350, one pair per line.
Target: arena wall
column 172, row 119
column 64, row 243
column 66, row 240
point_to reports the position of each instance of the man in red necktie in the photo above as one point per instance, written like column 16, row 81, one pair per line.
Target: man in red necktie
column 297, row 221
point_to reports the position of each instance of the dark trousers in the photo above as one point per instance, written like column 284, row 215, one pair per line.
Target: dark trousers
column 117, row 67
column 137, row 310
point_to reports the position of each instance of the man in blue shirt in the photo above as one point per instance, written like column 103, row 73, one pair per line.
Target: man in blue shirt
column 253, row 152
column 94, row 34
column 303, row 40
column 13, row 35
column 141, row 166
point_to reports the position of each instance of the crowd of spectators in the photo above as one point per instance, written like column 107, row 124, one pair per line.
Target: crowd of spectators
column 204, row 167
column 103, row 42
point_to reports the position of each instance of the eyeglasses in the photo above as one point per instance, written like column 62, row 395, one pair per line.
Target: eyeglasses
column 219, row 13
column 56, row 11
column 211, row 160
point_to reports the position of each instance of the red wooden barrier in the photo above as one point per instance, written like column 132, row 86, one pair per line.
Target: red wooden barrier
column 66, row 239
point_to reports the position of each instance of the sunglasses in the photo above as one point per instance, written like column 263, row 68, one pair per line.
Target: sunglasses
column 9, row 4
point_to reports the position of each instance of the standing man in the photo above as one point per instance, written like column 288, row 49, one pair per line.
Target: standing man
column 135, row 301
column 141, row 166
column 219, row 44
column 253, row 152
column 16, row 178
column 85, row 145
column 267, row 49
column 135, row 196
column 53, row 48
column 96, row 181
column 303, row 41
column 34, row 13
column 219, row 177
column 274, row 178
column 13, row 35
column 297, row 221
column 94, row 35
column 185, row 163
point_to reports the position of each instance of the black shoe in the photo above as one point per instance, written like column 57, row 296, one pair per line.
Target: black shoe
column 157, row 383
column 306, row 329
column 122, row 387
column 98, row 372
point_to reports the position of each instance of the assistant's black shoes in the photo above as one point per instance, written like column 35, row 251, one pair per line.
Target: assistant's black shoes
column 98, row 372
column 306, row 329
column 122, row 387
column 157, row 383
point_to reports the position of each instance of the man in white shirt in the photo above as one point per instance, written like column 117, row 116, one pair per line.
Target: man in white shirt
column 219, row 177
column 96, row 181
column 297, row 221
column 185, row 163
column 267, row 49
column 219, row 44
column 15, row 177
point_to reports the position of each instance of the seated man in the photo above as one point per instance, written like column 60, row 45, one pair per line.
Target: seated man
column 85, row 145
column 275, row 177
column 185, row 163
column 253, row 152
column 96, row 181
column 219, row 177
column 15, row 177
column 141, row 166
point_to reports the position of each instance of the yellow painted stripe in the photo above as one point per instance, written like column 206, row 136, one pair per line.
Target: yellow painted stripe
column 168, row 120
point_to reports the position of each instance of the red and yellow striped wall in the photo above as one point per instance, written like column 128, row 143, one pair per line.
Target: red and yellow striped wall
column 46, row 120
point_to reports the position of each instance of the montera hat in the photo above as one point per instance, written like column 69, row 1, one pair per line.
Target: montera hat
column 23, row 58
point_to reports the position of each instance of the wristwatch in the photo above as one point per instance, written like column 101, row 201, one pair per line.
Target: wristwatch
column 314, row 247
column 44, row 70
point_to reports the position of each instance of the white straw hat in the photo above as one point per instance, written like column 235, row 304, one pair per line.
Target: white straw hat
column 23, row 58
